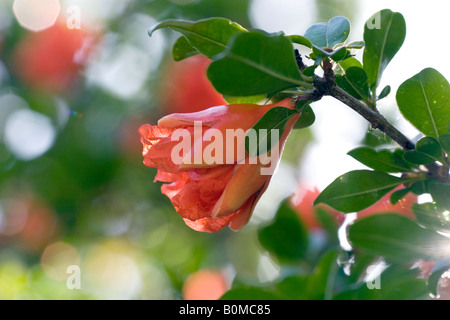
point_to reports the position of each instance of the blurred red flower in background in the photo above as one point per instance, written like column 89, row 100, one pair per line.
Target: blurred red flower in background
column 303, row 203
column 384, row 205
column 205, row 285
column 184, row 86
column 50, row 60
column 30, row 222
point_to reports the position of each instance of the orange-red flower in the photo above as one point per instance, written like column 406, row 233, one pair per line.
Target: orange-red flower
column 210, row 195
column 303, row 203
column 49, row 60
column 384, row 205
column 188, row 79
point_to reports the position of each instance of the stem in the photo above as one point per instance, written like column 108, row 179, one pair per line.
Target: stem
column 376, row 120
column 327, row 86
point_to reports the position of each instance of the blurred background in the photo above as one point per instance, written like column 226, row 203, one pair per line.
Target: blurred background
column 78, row 78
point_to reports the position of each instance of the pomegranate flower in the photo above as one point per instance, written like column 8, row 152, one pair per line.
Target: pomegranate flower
column 211, row 181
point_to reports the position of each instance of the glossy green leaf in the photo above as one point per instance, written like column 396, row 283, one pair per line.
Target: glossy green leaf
column 316, row 286
column 397, row 282
column 340, row 54
column 376, row 138
column 256, row 63
column 343, row 83
column 424, row 100
column 440, row 193
column 250, row 293
column 396, row 238
column 381, row 160
column 397, row 195
column 300, row 40
column 355, row 82
column 246, row 100
column 310, row 71
column 275, row 119
column 286, row 238
column 356, row 45
column 328, row 34
column 337, row 55
column 445, row 143
column 436, row 273
column 420, row 187
column 350, row 62
column 357, row 190
column 384, row 34
column 209, row 36
column 431, row 216
column 418, row 157
column 385, row 92
column 182, row 49
column 306, row 119
column 328, row 222
column 431, row 147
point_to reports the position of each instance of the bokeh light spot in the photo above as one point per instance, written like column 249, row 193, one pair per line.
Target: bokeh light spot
column 29, row 134
column 57, row 257
column 36, row 15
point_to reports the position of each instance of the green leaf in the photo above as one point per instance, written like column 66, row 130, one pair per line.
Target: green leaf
column 424, row 101
column 431, row 147
column 306, row 119
column 356, row 45
column 418, row 157
column 350, row 62
column 396, row 238
column 383, row 39
column 300, row 40
column 381, row 160
column 246, row 100
column 420, row 187
column 274, row 119
column 431, row 217
column 286, row 238
column 397, row 195
column 385, row 92
column 445, row 143
column 249, row 293
column 316, row 286
column 256, row 63
column 328, row 34
column 328, row 222
column 397, row 282
column 337, row 55
column 441, row 194
column 376, row 138
column 209, row 36
column 436, row 273
column 182, row 49
column 310, row 71
column 340, row 54
column 355, row 82
column 357, row 190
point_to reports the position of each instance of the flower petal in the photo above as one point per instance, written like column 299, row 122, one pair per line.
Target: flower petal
column 245, row 212
column 246, row 181
column 194, row 199
column 209, row 224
